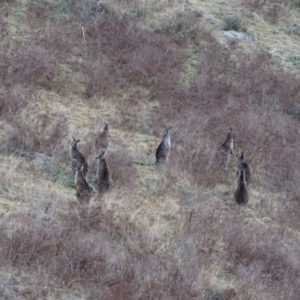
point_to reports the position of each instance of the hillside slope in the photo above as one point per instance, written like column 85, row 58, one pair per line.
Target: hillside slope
column 173, row 233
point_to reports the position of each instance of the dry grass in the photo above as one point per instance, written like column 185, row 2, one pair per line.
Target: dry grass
column 157, row 234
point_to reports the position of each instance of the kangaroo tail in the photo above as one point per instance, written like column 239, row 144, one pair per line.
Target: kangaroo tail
column 143, row 164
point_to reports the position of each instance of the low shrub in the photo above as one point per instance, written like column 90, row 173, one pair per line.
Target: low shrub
column 45, row 135
column 232, row 23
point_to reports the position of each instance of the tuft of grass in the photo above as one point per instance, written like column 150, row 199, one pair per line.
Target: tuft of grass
column 141, row 14
column 232, row 23
column 294, row 29
column 295, row 59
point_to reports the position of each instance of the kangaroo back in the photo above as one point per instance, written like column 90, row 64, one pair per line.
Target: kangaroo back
column 103, row 179
column 241, row 193
column 163, row 150
column 83, row 189
column 242, row 165
column 78, row 157
column 102, row 139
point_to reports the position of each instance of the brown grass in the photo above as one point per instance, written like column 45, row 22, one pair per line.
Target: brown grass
column 272, row 10
column 47, row 135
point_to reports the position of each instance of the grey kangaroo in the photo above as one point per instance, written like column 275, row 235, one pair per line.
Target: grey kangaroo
column 226, row 149
column 242, row 165
column 101, row 140
column 241, row 193
column 227, row 146
column 103, row 179
column 163, row 151
column 83, row 189
column 77, row 158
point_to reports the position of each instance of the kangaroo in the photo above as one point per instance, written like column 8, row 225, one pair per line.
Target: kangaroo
column 228, row 144
column 103, row 179
column 226, row 149
column 242, row 165
column 101, row 140
column 163, row 151
column 241, row 193
column 83, row 189
column 77, row 157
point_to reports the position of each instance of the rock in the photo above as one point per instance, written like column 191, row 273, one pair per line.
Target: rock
column 237, row 35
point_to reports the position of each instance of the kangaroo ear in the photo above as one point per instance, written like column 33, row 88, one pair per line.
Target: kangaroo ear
column 76, row 141
column 100, row 154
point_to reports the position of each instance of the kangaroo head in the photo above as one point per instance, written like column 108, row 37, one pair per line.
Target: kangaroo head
column 106, row 125
column 231, row 134
column 240, row 155
column 74, row 143
column 101, row 155
column 78, row 169
column 166, row 130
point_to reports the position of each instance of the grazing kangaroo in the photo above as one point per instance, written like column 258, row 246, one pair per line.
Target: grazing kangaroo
column 103, row 179
column 226, row 149
column 77, row 158
column 101, row 140
column 241, row 193
column 83, row 189
column 242, row 165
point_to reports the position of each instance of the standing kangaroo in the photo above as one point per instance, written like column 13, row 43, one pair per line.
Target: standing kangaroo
column 101, row 140
column 242, row 165
column 228, row 144
column 241, row 193
column 83, row 189
column 163, row 151
column 103, row 179
column 77, row 158
column 226, row 149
